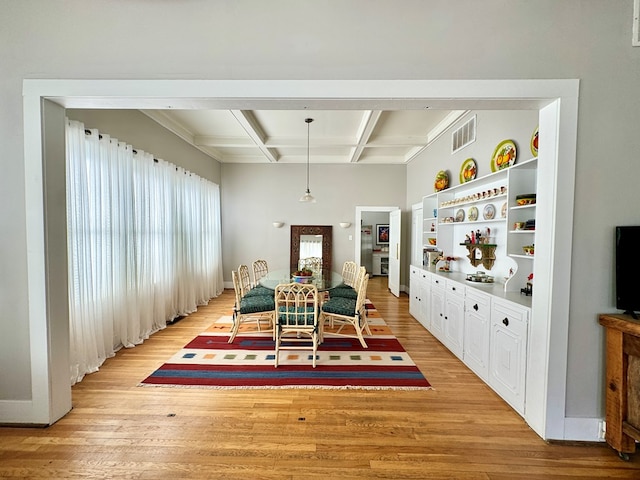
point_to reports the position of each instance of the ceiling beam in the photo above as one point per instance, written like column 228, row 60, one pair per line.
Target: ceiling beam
column 367, row 125
column 250, row 125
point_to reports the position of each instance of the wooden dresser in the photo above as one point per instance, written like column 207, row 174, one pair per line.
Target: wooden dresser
column 623, row 382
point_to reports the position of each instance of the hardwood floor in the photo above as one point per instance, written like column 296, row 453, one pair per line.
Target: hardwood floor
column 459, row 430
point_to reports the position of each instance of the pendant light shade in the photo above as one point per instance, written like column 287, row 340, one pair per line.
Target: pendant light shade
column 307, row 197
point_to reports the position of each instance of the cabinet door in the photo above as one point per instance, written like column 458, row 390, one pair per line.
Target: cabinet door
column 415, row 305
column 436, row 309
column 477, row 317
column 425, row 297
column 454, row 322
column 507, row 360
column 376, row 264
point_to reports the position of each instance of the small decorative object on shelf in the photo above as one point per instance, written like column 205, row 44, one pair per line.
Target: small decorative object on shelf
column 528, row 289
column 446, row 267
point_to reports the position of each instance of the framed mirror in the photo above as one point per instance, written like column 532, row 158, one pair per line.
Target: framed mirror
column 321, row 233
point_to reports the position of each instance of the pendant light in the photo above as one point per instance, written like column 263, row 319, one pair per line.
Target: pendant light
column 307, row 197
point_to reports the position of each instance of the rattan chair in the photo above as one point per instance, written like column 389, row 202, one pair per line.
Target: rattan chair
column 344, row 312
column 349, row 273
column 257, row 308
column 296, row 326
column 349, row 291
column 247, row 288
column 312, row 263
column 260, row 269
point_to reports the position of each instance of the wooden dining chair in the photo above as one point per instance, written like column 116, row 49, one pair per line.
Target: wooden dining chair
column 257, row 308
column 296, row 327
column 344, row 312
column 347, row 290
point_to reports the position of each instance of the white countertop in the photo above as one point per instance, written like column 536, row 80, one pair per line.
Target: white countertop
column 495, row 289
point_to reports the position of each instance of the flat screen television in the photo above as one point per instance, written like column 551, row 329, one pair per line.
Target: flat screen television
column 628, row 269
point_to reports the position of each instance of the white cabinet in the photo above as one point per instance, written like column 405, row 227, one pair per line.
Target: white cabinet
column 508, row 352
column 416, row 234
column 446, row 313
column 436, row 308
column 477, row 316
column 420, row 289
column 380, row 264
column 454, row 317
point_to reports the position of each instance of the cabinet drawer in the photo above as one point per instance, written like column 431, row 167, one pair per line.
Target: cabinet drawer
column 509, row 313
column 437, row 282
column 454, row 288
column 477, row 302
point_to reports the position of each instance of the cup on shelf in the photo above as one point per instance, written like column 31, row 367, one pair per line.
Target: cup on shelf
column 519, row 225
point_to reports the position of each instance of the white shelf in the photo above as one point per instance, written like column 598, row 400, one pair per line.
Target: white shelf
column 475, row 222
column 519, row 232
column 473, row 202
column 523, row 207
column 518, row 255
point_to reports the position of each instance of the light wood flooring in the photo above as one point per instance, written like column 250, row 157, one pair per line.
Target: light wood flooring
column 459, row 430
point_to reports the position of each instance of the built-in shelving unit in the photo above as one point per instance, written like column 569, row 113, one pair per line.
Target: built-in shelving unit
column 487, row 206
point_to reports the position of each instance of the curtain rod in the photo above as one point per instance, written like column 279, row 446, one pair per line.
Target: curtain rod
column 135, row 152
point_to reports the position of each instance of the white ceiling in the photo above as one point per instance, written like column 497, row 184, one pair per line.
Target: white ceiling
column 335, row 136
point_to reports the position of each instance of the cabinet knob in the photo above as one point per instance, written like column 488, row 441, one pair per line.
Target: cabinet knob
column 453, row 288
column 505, row 321
column 475, row 307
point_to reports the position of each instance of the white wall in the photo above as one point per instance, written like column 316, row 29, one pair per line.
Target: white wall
column 379, row 39
column 254, row 196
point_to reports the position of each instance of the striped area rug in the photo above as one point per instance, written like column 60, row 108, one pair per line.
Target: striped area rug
column 208, row 361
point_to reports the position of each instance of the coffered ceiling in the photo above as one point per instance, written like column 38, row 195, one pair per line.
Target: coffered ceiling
column 280, row 136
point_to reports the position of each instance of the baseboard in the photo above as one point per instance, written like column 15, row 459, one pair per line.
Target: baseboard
column 18, row 413
column 583, row 429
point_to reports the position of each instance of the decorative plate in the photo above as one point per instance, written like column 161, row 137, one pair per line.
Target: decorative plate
column 489, row 212
column 503, row 212
column 460, row 215
column 473, row 214
column 534, row 143
column 503, row 156
column 468, row 170
column 442, row 181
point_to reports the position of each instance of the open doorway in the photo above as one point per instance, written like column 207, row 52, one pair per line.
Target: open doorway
column 377, row 243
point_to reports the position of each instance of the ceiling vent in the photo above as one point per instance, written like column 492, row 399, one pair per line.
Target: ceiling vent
column 464, row 135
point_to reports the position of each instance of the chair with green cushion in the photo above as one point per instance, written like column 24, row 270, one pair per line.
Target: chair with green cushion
column 260, row 269
column 247, row 288
column 257, row 308
column 296, row 326
column 347, row 312
column 349, row 290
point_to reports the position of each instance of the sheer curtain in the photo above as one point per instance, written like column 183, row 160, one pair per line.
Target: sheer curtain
column 144, row 245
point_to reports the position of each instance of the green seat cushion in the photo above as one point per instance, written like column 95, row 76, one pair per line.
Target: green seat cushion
column 344, row 291
column 259, row 291
column 304, row 316
column 340, row 306
column 257, row 304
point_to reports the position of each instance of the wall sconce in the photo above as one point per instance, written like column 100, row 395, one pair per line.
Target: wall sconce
column 345, row 224
column 278, row 224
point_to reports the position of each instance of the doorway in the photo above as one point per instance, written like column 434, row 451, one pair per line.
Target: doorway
column 557, row 101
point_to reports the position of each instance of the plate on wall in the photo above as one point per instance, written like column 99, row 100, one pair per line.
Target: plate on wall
column 473, row 214
column 534, row 143
column 460, row 215
column 468, row 170
column 489, row 212
column 503, row 211
column 504, row 155
column 442, row 181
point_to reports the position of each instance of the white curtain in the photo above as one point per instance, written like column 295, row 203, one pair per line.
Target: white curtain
column 310, row 248
column 144, row 245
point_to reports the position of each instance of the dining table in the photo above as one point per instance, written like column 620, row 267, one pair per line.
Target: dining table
column 323, row 281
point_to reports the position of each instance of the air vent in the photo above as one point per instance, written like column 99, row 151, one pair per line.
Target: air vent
column 464, row 135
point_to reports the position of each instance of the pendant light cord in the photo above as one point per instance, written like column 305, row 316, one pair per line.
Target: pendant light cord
column 308, row 120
